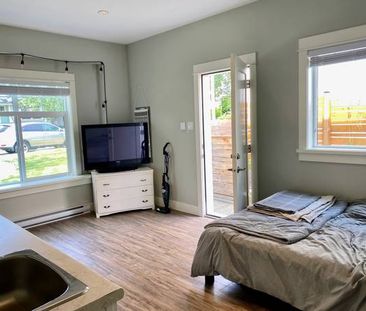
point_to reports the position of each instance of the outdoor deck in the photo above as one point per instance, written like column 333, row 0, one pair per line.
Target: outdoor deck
column 223, row 205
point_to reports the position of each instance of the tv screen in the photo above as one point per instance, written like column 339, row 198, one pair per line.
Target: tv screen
column 115, row 147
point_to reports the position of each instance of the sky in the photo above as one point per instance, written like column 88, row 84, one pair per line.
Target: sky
column 345, row 81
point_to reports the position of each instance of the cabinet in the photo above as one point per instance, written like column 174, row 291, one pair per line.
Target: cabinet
column 123, row 191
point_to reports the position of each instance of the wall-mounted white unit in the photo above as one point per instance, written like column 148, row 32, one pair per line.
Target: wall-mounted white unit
column 142, row 114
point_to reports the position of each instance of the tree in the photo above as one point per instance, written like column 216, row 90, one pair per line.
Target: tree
column 41, row 103
column 222, row 92
column 222, row 84
column 224, row 109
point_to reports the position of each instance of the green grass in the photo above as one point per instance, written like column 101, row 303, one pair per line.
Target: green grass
column 52, row 163
column 9, row 179
column 40, row 162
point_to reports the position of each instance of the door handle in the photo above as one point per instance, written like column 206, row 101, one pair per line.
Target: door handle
column 238, row 169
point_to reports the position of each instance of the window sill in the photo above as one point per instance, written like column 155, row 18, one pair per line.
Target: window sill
column 329, row 155
column 12, row 191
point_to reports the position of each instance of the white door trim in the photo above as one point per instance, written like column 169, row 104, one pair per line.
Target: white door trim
column 198, row 71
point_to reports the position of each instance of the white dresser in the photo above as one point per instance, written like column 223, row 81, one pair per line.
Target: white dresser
column 123, row 191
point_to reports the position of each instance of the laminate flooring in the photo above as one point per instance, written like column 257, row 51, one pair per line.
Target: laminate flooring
column 149, row 255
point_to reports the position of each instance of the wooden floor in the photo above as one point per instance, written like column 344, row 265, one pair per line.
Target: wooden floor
column 149, row 255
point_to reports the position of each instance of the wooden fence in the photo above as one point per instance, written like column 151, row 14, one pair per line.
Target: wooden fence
column 341, row 126
column 221, row 160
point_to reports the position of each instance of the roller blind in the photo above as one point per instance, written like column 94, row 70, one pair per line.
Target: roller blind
column 337, row 54
column 34, row 89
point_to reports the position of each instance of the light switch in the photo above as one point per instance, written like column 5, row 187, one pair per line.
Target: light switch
column 182, row 126
column 190, row 126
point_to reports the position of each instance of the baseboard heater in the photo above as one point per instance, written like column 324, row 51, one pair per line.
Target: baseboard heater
column 53, row 217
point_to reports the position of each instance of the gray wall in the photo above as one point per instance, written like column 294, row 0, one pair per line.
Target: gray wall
column 160, row 73
column 87, row 95
column 160, row 70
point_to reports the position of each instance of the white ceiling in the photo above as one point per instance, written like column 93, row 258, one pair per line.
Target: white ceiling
column 128, row 20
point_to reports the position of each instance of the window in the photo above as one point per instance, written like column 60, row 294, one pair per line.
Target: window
column 32, row 128
column 51, row 128
column 37, row 122
column 332, row 97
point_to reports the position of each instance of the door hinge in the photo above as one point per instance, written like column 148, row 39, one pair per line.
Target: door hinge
column 244, row 84
column 249, row 148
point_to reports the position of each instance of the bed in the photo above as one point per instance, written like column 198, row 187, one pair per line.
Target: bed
column 324, row 271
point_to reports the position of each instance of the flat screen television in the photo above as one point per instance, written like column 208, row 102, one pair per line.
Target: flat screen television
column 115, row 147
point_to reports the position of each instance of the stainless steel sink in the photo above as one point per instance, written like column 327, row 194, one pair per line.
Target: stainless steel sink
column 28, row 282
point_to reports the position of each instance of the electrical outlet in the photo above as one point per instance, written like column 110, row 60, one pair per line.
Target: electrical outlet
column 182, row 126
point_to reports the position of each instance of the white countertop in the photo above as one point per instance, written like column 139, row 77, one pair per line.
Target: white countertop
column 101, row 293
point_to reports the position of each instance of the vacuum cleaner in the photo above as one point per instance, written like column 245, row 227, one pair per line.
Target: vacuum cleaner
column 165, row 186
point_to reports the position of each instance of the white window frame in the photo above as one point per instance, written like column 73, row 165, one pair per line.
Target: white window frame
column 73, row 149
column 306, row 150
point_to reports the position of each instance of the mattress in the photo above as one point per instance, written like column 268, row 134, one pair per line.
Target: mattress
column 325, row 271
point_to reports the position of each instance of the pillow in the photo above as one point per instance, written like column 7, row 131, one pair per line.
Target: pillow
column 357, row 209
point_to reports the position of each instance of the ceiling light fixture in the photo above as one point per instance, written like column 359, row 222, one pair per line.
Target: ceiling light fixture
column 103, row 12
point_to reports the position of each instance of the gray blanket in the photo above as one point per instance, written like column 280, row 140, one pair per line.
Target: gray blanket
column 325, row 271
column 286, row 201
column 275, row 228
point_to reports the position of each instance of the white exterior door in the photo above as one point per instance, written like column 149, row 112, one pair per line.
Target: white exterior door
column 239, row 132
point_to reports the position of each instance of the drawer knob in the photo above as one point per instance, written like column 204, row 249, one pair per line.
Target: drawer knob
column 145, row 201
column 144, row 190
column 106, row 184
column 105, row 195
column 107, row 206
column 143, row 179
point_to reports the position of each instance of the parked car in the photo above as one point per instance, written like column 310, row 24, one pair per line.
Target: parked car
column 3, row 127
column 35, row 135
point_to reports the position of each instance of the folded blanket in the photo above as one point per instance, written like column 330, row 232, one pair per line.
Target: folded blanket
column 274, row 228
column 286, row 201
column 311, row 212
column 308, row 213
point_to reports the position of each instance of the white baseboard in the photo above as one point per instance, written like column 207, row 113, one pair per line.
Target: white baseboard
column 180, row 206
column 56, row 216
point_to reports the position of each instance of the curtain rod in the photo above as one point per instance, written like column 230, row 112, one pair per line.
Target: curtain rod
column 102, row 69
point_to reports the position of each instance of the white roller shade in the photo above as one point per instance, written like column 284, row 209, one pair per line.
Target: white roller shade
column 31, row 89
column 337, row 54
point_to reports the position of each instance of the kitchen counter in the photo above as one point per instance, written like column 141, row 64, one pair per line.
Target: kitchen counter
column 102, row 294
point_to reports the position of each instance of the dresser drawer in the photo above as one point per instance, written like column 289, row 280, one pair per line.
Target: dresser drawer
column 126, row 205
column 110, row 195
column 142, row 202
column 110, row 207
column 132, row 180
